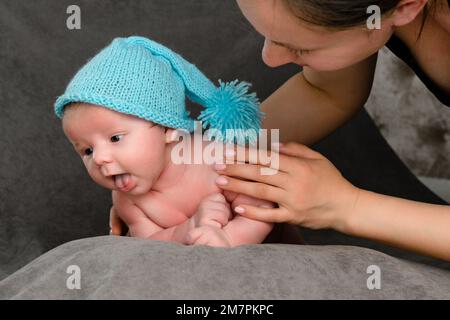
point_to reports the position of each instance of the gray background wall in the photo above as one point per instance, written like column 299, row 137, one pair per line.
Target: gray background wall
column 413, row 121
column 47, row 198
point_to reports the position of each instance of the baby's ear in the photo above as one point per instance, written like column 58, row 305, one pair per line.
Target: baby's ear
column 171, row 135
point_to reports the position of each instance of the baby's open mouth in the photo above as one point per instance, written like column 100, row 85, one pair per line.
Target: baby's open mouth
column 123, row 181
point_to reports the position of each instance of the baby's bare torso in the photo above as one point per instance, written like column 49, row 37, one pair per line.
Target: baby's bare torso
column 177, row 198
column 178, row 201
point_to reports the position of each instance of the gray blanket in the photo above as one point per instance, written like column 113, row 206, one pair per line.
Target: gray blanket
column 128, row 268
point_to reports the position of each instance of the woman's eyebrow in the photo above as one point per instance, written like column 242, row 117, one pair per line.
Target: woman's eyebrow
column 289, row 46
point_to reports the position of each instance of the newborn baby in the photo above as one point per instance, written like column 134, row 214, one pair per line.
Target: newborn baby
column 120, row 112
column 156, row 198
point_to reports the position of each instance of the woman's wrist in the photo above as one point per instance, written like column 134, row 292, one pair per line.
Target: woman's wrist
column 346, row 210
column 364, row 216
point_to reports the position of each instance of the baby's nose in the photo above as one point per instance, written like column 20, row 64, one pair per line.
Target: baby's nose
column 101, row 157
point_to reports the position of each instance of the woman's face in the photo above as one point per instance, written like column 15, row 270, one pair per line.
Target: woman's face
column 289, row 40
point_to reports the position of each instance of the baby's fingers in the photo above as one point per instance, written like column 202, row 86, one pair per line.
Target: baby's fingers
column 213, row 239
column 214, row 222
column 208, row 236
column 193, row 236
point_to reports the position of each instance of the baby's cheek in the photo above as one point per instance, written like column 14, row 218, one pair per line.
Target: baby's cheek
column 152, row 155
column 98, row 178
column 95, row 177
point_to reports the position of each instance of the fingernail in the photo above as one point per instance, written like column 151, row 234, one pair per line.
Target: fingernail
column 221, row 180
column 110, row 231
column 220, row 167
column 276, row 146
column 229, row 153
column 239, row 210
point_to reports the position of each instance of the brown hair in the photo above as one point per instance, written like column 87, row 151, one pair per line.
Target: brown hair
column 342, row 14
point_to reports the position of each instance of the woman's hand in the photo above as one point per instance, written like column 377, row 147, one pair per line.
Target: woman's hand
column 308, row 188
column 116, row 226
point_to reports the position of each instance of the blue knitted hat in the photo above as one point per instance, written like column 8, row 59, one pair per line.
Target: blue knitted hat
column 140, row 77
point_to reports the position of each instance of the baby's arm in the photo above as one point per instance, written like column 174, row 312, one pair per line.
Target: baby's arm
column 242, row 230
column 214, row 228
column 141, row 226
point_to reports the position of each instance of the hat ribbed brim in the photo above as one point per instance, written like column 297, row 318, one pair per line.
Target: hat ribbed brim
column 123, row 107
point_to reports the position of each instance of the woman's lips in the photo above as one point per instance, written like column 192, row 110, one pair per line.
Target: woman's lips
column 124, row 182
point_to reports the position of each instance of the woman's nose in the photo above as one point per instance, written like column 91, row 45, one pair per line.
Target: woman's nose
column 275, row 55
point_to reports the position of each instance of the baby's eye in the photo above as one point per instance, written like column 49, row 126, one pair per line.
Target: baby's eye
column 88, row 151
column 116, row 138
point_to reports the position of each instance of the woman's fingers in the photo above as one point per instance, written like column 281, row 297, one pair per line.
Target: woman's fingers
column 252, row 172
column 271, row 162
column 299, row 150
column 115, row 224
column 275, row 215
column 265, row 158
column 249, row 188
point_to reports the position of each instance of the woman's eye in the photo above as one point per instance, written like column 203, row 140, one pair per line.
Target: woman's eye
column 116, row 138
column 301, row 52
column 88, row 151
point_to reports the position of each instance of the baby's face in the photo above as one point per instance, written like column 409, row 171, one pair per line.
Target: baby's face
column 120, row 152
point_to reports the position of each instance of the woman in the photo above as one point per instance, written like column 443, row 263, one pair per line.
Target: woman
column 338, row 52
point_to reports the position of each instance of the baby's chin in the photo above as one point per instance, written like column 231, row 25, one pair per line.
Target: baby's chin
column 132, row 188
column 136, row 191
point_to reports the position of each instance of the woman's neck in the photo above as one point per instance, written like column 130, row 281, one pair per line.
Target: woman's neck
column 429, row 45
column 438, row 17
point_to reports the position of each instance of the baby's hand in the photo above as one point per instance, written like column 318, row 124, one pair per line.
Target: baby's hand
column 209, row 236
column 213, row 210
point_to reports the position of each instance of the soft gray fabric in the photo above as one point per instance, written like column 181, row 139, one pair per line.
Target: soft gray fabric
column 130, row 268
column 47, row 198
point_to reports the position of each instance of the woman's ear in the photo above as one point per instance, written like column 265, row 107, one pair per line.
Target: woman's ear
column 407, row 10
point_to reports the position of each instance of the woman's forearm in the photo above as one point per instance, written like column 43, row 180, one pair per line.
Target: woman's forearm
column 301, row 112
column 312, row 104
column 421, row 227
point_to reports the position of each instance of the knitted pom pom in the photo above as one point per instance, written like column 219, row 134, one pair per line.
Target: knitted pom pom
column 233, row 108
